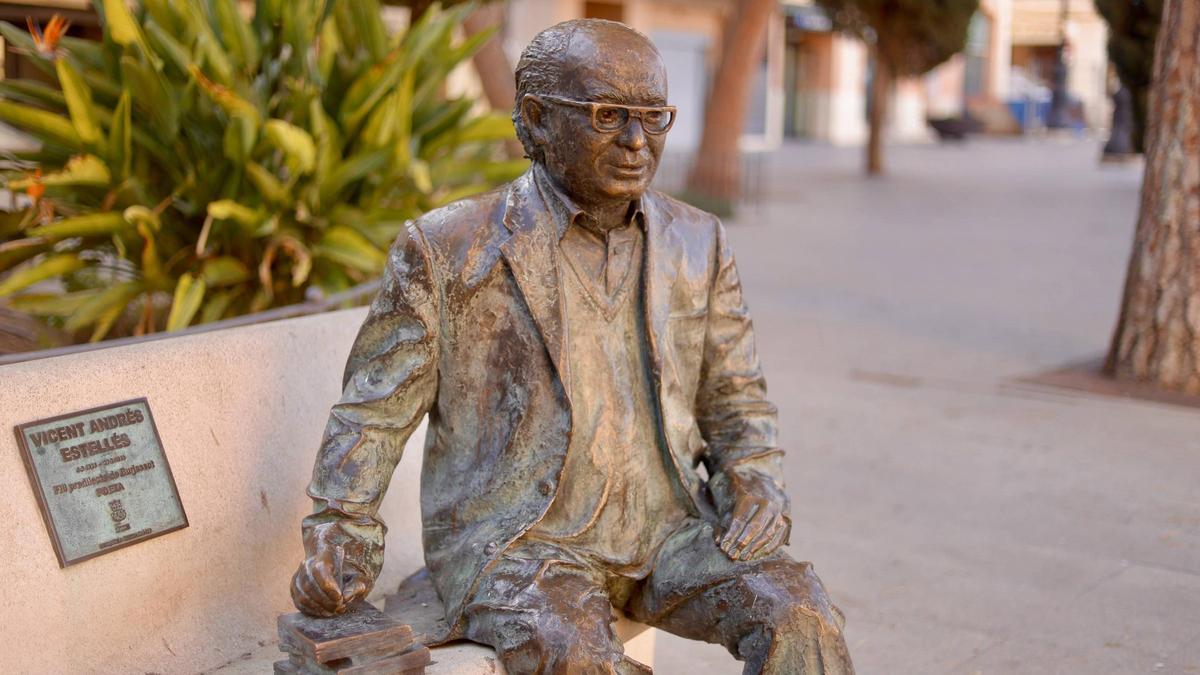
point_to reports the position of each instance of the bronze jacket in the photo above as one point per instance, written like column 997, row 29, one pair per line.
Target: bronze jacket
column 468, row 328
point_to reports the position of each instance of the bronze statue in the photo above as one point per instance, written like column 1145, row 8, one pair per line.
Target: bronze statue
column 581, row 347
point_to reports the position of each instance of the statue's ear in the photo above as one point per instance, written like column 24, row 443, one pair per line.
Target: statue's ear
column 534, row 120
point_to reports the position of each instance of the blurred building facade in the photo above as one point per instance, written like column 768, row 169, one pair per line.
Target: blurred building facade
column 813, row 82
column 1039, row 27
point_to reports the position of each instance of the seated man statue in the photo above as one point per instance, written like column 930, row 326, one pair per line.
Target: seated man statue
column 581, row 347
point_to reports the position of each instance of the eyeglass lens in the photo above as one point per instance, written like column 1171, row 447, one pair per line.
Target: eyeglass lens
column 615, row 118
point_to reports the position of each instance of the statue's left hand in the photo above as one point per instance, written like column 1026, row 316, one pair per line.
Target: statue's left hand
column 754, row 521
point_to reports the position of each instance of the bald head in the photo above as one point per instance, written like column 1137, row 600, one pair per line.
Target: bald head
column 589, row 59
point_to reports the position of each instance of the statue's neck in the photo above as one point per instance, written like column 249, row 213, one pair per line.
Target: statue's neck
column 609, row 216
column 603, row 216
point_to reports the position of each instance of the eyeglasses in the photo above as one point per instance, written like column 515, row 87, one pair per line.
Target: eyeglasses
column 609, row 118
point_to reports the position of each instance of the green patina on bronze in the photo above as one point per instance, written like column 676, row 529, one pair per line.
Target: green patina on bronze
column 478, row 326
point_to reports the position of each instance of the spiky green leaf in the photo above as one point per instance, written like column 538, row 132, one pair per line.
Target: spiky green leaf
column 224, row 271
column 120, row 136
column 295, row 142
column 79, row 102
column 189, row 294
column 95, row 307
column 52, row 304
column 48, row 268
column 45, row 125
column 87, row 225
column 344, row 246
column 80, row 170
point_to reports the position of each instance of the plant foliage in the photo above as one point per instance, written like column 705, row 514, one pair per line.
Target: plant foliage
column 911, row 37
column 198, row 164
column 1133, row 32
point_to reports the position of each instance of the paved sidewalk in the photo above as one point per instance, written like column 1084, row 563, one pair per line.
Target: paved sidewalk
column 964, row 522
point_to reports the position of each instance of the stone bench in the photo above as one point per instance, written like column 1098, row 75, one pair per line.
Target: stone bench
column 416, row 603
column 240, row 412
column 412, row 615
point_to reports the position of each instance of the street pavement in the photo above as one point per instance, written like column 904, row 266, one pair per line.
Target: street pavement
column 966, row 522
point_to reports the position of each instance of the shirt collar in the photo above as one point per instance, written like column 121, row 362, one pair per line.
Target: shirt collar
column 564, row 209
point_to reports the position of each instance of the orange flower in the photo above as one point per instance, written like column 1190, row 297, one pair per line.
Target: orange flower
column 47, row 42
column 36, row 189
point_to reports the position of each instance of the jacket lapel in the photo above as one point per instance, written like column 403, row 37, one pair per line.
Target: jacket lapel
column 531, row 251
column 662, row 253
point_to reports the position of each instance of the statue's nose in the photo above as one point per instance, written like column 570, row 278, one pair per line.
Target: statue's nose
column 634, row 136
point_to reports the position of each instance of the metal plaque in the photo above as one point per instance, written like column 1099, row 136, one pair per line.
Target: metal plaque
column 101, row 479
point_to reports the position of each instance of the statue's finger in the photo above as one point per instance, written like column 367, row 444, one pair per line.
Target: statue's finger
column 315, row 596
column 320, row 582
column 742, row 513
column 778, row 539
column 354, row 590
column 735, row 521
column 771, row 540
column 303, row 598
column 754, row 532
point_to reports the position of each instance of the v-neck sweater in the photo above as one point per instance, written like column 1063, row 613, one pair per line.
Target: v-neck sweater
column 616, row 502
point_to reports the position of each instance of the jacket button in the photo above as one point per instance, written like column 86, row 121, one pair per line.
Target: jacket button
column 545, row 487
column 491, row 547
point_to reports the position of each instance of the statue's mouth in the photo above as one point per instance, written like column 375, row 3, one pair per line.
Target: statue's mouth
column 630, row 170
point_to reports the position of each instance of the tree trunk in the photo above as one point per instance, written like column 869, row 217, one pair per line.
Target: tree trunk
column 881, row 92
column 492, row 65
column 716, row 172
column 1157, row 338
column 419, row 7
column 495, row 72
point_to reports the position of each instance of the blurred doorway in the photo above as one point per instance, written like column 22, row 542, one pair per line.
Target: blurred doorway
column 1037, row 61
column 798, row 67
column 807, row 61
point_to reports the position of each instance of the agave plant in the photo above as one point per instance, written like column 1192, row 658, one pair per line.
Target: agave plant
column 197, row 164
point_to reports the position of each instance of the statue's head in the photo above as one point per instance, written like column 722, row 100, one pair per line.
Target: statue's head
column 592, row 108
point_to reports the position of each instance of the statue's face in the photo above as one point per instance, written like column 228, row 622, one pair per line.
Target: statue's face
column 596, row 166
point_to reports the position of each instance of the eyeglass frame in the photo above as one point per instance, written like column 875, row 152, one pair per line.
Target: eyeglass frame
column 633, row 110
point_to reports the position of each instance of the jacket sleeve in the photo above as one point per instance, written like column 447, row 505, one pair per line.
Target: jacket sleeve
column 735, row 418
column 389, row 384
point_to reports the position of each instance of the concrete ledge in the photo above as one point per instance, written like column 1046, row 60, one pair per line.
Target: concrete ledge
column 417, row 605
column 459, row 658
column 240, row 412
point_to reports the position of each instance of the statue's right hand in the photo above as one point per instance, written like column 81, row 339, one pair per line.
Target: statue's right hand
column 326, row 584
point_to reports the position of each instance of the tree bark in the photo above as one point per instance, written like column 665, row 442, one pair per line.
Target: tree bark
column 716, row 172
column 1157, row 338
column 881, row 91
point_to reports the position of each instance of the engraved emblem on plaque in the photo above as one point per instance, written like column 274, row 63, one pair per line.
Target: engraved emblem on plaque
column 101, row 479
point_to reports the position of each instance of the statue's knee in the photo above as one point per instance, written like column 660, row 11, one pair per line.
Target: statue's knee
column 554, row 646
column 798, row 602
column 802, row 618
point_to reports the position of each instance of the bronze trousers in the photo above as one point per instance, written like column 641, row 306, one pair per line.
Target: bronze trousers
column 548, row 610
